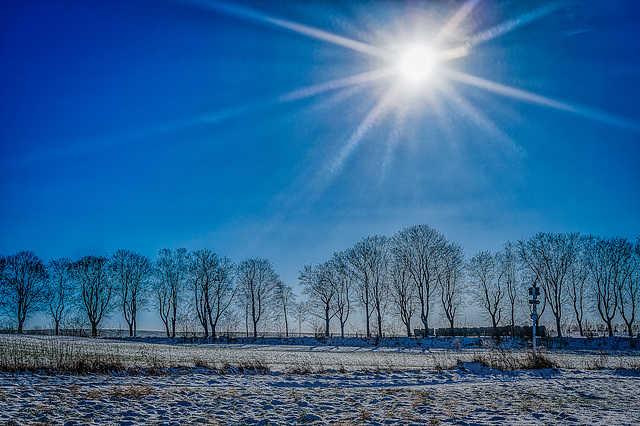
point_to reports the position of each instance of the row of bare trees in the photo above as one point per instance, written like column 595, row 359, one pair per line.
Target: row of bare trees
column 400, row 275
column 408, row 274
column 129, row 282
column 578, row 274
column 404, row 276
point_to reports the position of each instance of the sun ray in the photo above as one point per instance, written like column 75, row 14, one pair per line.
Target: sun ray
column 502, row 89
column 394, row 138
column 452, row 25
column 339, row 83
column 481, row 119
column 325, row 175
column 356, row 137
column 512, row 24
column 523, row 95
column 309, row 31
column 496, row 31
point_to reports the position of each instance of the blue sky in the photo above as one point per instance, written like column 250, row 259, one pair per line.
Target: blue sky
column 195, row 123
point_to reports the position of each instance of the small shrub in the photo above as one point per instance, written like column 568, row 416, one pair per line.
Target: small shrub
column 202, row 363
column 539, row 362
column 364, row 415
column 300, row 370
column 254, row 367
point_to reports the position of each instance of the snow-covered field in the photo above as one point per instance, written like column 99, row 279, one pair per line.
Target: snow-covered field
column 393, row 384
column 470, row 394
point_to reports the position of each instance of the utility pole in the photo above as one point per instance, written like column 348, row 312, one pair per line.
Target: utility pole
column 534, row 292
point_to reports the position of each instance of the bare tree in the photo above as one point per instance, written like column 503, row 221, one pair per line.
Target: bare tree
column 551, row 257
column 212, row 282
column 318, row 283
column 201, row 271
column 485, row 288
column 22, row 285
column 508, row 279
column 59, row 289
column 380, row 276
column 403, row 294
column 628, row 288
column 224, row 291
column 420, row 247
column 356, row 258
column 130, row 273
column 95, row 289
column 578, row 290
column 169, row 275
column 368, row 260
column 257, row 283
column 286, row 297
column 450, row 281
column 343, row 283
column 301, row 314
column 605, row 264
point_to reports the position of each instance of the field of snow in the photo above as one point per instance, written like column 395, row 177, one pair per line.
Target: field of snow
column 469, row 394
column 325, row 383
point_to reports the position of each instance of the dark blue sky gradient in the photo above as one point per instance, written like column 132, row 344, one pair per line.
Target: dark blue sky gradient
column 151, row 124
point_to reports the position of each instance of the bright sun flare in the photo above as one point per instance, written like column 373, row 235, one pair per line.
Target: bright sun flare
column 416, row 63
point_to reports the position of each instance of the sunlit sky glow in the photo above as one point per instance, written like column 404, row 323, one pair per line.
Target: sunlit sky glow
column 289, row 130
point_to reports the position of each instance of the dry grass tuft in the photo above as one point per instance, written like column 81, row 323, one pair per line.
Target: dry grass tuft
column 420, row 398
column 364, row 415
column 131, row 392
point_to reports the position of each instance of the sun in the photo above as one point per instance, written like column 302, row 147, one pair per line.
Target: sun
column 416, row 64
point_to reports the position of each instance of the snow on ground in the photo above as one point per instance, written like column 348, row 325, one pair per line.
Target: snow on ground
column 469, row 394
column 344, row 382
column 348, row 354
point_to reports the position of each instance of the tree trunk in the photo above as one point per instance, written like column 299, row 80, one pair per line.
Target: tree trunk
column 94, row 329
column 213, row 331
column 368, row 326
column 131, row 329
column 255, row 329
column 513, row 323
column 166, row 327
column 342, row 329
column 609, row 329
column 326, row 322
column 408, row 325
column 558, row 327
column 286, row 322
column 57, row 327
column 629, row 330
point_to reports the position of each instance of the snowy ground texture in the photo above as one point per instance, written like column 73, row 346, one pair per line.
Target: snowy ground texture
column 392, row 392
column 470, row 394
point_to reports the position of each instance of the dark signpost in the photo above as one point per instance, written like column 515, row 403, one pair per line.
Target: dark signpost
column 534, row 292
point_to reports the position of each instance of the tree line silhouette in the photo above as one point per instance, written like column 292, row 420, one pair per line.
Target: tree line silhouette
column 401, row 276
